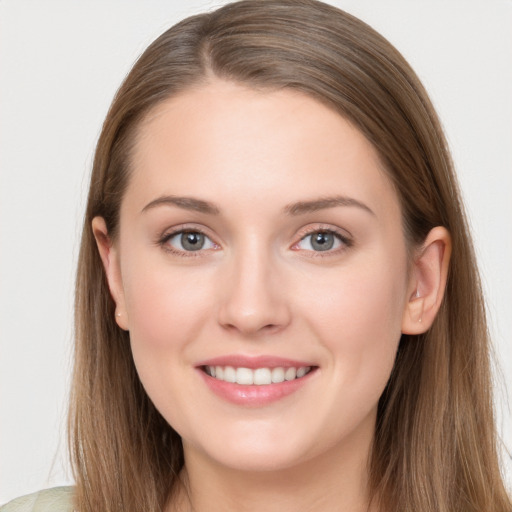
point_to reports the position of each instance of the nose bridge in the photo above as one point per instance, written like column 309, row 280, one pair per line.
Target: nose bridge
column 253, row 300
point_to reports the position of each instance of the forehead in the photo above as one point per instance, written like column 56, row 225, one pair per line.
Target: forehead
column 224, row 137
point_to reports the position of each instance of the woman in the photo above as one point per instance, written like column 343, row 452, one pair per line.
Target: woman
column 276, row 282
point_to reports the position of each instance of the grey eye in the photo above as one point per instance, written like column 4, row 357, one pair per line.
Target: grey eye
column 322, row 241
column 319, row 241
column 190, row 241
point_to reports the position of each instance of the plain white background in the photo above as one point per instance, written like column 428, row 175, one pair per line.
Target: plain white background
column 60, row 64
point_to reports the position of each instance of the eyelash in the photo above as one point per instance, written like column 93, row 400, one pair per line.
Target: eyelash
column 163, row 241
column 346, row 241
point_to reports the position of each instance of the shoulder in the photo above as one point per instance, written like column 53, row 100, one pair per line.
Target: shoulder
column 58, row 499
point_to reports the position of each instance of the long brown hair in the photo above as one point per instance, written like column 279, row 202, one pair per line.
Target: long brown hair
column 435, row 440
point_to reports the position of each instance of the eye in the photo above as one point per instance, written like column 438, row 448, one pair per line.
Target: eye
column 189, row 241
column 323, row 240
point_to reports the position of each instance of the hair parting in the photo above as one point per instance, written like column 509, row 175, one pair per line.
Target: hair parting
column 435, row 443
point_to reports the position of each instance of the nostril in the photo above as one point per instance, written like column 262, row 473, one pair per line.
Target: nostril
column 250, row 305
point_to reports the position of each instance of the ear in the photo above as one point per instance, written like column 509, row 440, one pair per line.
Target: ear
column 110, row 259
column 427, row 282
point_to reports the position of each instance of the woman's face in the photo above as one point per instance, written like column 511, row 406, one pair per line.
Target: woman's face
column 260, row 240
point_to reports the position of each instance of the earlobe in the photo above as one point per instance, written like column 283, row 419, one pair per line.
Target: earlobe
column 110, row 260
column 415, row 309
column 427, row 282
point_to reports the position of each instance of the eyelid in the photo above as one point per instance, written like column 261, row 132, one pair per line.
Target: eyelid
column 343, row 235
column 184, row 228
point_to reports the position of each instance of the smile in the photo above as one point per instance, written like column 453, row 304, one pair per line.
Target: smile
column 256, row 376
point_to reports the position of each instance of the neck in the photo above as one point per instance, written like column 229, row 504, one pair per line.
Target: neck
column 333, row 482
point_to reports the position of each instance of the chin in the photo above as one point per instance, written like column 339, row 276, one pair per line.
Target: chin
column 256, row 449
column 253, row 460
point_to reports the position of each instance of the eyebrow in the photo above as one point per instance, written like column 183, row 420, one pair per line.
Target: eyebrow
column 298, row 208
column 303, row 207
column 187, row 203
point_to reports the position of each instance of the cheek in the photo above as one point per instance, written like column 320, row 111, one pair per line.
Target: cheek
column 358, row 318
column 367, row 298
column 165, row 307
column 167, row 313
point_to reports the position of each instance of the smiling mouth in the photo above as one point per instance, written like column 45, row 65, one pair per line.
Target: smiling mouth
column 257, row 376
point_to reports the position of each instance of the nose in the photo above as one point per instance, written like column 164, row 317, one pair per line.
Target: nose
column 254, row 298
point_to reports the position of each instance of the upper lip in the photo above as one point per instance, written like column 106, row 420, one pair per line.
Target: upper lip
column 253, row 362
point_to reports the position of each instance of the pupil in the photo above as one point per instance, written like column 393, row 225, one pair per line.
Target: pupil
column 322, row 241
column 192, row 241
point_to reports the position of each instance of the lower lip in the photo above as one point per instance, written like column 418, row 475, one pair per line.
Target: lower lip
column 251, row 395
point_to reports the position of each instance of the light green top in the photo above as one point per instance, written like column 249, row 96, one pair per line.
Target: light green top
column 58, row 499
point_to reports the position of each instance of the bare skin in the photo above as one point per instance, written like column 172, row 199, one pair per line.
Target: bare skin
column 262, row 225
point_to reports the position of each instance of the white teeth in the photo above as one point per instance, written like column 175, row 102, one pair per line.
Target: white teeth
column 229, row 374
column 259, row 376
column 277, row 375
column 301, row 372
column 244, row 376
column 262, row 376
column 290, row 373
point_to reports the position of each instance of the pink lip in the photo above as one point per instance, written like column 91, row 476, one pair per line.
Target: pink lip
column 252, row 395
column 253, row 362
